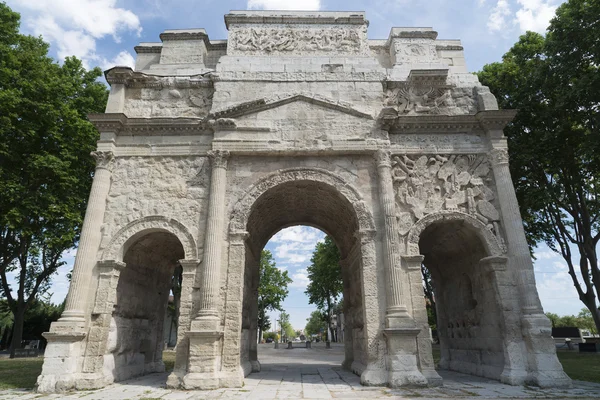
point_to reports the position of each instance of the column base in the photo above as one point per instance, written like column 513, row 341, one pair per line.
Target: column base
column 513, row 377
column 255, row 365
column 63, row 361
column 66, row 383
column 433, row 378
column 544, row 368
column 212, row 380
column 373, row 376
column 403, row 370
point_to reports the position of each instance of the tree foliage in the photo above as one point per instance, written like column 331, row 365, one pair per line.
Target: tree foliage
column 272, row 289
column 45, row 162
column 554, row 141
column 316, row 324
column 583, row 320
column 325, row 278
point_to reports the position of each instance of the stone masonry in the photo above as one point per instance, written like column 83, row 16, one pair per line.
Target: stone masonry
column 209, row 147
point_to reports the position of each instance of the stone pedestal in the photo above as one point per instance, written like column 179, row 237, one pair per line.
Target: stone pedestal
column 402, row 360
column 63, row 359
column 203, row 360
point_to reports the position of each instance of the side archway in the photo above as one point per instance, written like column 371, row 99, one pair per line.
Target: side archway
column 130, row 233
column 493, row 245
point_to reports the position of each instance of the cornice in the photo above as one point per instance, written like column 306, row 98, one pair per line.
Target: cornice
column 346, row 18
column 120, row 124
column 495, row 119
column 148, row 49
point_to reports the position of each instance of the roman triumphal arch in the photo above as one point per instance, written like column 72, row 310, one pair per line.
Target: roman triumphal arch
column 209, row 147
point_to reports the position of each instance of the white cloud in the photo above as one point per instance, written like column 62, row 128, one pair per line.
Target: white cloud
column 299, row 233
column 124, row 58
column 497, row 19
column 534, row 15
column 545, row 255
column 74, row 26
column 284, row 4
column 300, row 279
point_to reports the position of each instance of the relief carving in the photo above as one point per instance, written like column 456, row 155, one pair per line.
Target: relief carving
column 430, row 99
column 104, row 159
column 427, row 184
column 271, row 40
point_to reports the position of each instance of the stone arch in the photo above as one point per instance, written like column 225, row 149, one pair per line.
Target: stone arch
column 491, row 242
column 243, row 207
column 127, row 235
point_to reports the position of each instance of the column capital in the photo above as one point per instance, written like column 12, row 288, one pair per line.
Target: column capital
column 104, row 159
column 494, row 263
column 218, row 158
column 413, row 262
column 238, row 237
column 498, row 156
column 110, row 267
column 189, row 265
column 383, row 158
column 365, row 235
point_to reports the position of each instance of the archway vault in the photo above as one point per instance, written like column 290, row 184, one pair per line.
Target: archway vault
column 318, row 197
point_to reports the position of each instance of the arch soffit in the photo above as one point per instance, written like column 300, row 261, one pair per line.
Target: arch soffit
column 243, row 207
column 117, row 247
column 492, row 244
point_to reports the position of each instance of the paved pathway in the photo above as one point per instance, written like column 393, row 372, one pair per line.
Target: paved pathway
column 314, row 374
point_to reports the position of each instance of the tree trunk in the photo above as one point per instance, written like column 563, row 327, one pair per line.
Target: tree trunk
column 17, row 336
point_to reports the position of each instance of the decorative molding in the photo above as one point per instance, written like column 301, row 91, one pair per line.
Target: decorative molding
column 495, row 119
column 156, row 48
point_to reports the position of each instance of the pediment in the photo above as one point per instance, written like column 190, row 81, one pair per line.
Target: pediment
column 265, row 104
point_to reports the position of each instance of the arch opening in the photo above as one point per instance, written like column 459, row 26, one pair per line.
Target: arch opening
column 469, row 324
column 140, row 322
column 322, row 206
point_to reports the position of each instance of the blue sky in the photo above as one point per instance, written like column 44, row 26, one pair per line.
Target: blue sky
column 104, row 32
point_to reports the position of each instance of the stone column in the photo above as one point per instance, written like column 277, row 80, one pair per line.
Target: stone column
column 207, row 318
column 518, row 251
column 396, row 313
column 185, row 309
column 419, row 313
column 371, row 366
column 89, row 242
column 205, row 334
column 545, row 370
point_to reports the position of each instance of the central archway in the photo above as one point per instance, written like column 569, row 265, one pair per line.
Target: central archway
column 319, row 199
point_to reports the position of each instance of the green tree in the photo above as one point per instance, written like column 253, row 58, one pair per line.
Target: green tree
column 272, row 289
column 315, row 324
column 325, row 278
column 287, row 332
column 554, row 83
column 45, row 163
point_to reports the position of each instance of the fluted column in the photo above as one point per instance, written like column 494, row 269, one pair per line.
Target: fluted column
column 518, row 251
column 211, row 264
column 396, row 309
column 89, row 242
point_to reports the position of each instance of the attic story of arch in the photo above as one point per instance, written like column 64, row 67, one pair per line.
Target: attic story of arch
column 209, row 147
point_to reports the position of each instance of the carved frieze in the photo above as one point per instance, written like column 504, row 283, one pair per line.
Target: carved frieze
column 425, row 184
column 430, row 99
column 288, row 40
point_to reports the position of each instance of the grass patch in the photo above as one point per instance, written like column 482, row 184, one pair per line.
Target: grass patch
column 19, row 373
column 581, row 366
column 169, row 360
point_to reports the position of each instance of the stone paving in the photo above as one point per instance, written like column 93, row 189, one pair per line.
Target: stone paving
column 314, row 374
